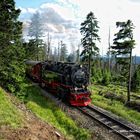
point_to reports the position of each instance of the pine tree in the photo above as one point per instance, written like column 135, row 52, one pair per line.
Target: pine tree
column 89, row 29
column 36, row 27
column 135, row 83
column 106, row 77
column 63, row 52
column 71, row 57
column 36, row 32
column 123, row 45
column 11, row 51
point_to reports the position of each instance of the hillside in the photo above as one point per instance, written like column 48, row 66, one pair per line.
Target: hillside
column 18, row 123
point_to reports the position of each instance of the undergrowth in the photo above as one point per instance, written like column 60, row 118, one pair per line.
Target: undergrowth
column 9, row 114
column 114, row 106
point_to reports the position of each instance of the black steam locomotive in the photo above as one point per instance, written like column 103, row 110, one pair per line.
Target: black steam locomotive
column 68, row 81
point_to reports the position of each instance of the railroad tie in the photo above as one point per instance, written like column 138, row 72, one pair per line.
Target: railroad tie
column 102, row 119
column 108, row 122
column 130, row 136
column 115, row 126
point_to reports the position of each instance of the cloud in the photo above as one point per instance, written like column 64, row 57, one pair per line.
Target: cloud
column 27, row 10
column 51, row 16
column 59, row 21
column 135, row 0
column 62, row 18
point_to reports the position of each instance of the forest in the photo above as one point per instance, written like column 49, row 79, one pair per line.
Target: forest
column 114, row 79
column 118, row 67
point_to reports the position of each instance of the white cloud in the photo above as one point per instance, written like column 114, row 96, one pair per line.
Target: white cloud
column 64, row 12
column 63, row 18
column 27, row 10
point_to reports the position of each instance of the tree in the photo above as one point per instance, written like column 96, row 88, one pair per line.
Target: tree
column 11, row 51
column 31, row 49
column 135, row 83
column 36, row 32
column 55, row 54
column 106, row 77
column 78, row 54
column 123, row 45
column 35, row 28
column 89, row 29
column 63, row 52
column 71, row 57
column 48, row 47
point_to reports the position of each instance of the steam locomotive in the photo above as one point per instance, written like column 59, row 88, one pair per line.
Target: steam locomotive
column 67, row 81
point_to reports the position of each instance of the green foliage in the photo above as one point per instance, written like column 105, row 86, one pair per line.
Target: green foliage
column 10, row 28
column 9, row 114
column 35, row 49
column 135, row 86
column 99, row 75
column 123, row 45
column 71, row 58
column 30, row 49
column 89, row 29
column 49, row 112
column 106, row 77
column 63, row 52
column 96, row 75
column 114, row 106
column 12, row 53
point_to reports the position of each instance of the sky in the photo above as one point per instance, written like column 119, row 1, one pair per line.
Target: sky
column 62, row 19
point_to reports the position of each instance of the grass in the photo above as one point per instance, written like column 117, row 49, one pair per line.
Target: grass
column 115, row 107
column 45, row 109
column 9, row 114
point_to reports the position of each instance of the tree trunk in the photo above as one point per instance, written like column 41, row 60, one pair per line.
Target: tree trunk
column 130, row 73
column 109, row 62
column 89, row 67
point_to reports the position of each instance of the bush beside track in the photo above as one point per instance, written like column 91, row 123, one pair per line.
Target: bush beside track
column 111, row 104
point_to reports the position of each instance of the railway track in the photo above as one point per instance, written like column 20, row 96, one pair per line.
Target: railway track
column 115, row 126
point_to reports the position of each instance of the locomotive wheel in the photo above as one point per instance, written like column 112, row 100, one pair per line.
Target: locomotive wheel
column 60, row 94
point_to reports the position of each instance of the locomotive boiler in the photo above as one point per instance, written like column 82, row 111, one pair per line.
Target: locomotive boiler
column 67, row 81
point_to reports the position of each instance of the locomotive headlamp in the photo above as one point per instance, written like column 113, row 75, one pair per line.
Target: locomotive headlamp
column 75, row 88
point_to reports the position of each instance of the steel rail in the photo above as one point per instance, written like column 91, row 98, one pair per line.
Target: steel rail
column 106, row 120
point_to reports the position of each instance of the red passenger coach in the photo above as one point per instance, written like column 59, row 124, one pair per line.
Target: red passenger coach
column 33, row 70
column 67, row 81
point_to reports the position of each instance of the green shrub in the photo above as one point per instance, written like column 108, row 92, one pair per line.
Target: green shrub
column 9, row 114
column 116, row 105
column 106, row 78
column 96, row 75
column 135, row 84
